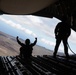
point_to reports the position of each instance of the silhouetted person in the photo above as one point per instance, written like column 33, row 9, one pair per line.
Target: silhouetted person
column 26, row 48
column 62, row 32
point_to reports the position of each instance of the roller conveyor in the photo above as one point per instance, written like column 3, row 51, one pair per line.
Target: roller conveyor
column 40, row 65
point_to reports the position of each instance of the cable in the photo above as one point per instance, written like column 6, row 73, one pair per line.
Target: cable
column 71, row 49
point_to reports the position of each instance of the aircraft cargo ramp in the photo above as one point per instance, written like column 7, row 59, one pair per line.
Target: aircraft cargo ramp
column 40, row 65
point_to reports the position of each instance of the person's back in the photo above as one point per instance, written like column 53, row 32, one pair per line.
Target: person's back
column 63, row 30
column 26, row 49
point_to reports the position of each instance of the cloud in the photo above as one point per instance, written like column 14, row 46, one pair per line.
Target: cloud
column 34, row 19
column 45, row 25
column 39, row 24
column 18, row 26
column 29, row 32
column 48, row 42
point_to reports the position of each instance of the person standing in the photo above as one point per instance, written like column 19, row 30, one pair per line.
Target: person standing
column 62, row 33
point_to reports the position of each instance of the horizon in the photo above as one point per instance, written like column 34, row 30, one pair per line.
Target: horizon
column 29, row 26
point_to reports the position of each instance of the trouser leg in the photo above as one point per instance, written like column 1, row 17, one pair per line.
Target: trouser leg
column 65, row 47
column 56, row 47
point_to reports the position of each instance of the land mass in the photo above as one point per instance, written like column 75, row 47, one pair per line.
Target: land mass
column 10, row 47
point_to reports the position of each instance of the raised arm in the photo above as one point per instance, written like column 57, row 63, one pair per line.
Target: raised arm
column 19, row 41
column 34, row 42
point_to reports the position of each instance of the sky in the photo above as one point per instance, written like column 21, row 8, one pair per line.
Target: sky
column 29, row 26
